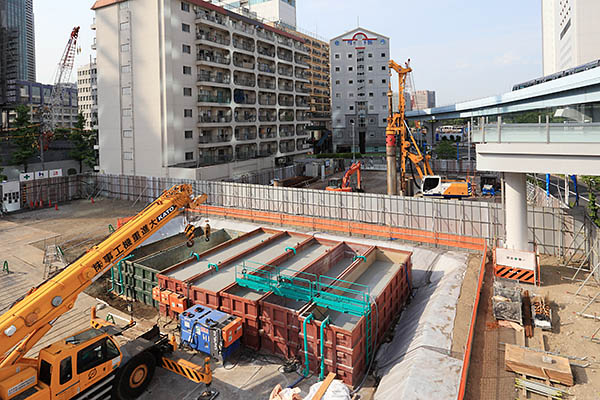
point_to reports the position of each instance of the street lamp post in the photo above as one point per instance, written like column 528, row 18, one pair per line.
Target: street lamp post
column 353, row 158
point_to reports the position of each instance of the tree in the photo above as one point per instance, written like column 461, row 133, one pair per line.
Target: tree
column 445, row 150
column 593, row 183
column 24, row 138
column 83, row 144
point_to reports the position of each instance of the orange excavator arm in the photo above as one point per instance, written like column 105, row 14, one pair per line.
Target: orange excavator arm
column 26, row 322
column 354, row 169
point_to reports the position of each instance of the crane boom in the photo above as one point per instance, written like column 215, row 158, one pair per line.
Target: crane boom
column 30, row 318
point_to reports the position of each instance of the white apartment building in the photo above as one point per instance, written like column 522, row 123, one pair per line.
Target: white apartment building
column 87, row 96
column 280, row 11
column 200, row 93
column 570, row 32
column 422, row 99
column 359, row 87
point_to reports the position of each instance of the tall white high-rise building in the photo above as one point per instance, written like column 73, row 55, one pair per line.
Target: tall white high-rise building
column 570, row 32
column 280, row 11
column 359, row 90
column 200, row 93
column 87, row 94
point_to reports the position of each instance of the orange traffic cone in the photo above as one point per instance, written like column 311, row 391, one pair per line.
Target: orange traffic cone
column 49, row 203
column 56, row 206
column 92, row 200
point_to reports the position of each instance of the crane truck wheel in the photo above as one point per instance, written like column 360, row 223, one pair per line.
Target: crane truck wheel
column 135, row 376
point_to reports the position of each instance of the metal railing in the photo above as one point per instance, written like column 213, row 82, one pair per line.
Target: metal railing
column 536, row 133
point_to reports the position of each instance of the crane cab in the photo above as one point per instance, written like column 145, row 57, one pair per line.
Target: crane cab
column 86, row 361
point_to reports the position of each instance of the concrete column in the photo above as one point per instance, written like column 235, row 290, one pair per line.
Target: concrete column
column 516, row 211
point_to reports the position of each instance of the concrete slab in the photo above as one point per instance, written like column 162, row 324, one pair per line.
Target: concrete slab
column 216, row 281
column 223, row 254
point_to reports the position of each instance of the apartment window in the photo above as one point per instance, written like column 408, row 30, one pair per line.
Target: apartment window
column 382, row 54
column 187, row 70
column 370, row 55
column 188, row 134
column 350, row 68
column 370, row 81
column 337, row 55
column 349, row 55
column 125, row 69
column 186, row 48
column 185, row 27
column 350, row 94
column 185, row 7
column 126, row 112
column 371, row 107
column 383, row 81
column 350, row 82
column 124, row 26
column 370, row 68
column 337, row 82
column 126, row 91
column 337, row 69
column 187, row 113
column 351, row 108
column 127, row 155
column 125, row 48
column 189, row 155
column 338, row 95
column 383, row 67
column 187, row 91
column 370, row 94
column 127, row 133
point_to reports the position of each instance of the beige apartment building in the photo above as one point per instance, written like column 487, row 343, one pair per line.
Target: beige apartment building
column 203, row 93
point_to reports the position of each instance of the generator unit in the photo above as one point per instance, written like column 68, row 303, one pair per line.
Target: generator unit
column 210, row 331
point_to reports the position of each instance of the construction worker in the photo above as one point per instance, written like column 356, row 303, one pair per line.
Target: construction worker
column 206, row 230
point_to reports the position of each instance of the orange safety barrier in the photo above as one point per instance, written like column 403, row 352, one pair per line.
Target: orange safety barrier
column 348, row 227
column 467, row 357
column 518, row 274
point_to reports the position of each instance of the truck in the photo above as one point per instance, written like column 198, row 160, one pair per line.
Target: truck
column 95, row 363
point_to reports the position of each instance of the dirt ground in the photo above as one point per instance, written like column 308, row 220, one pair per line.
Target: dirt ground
column 372, row 181
column 487, row 377
column 78, row 225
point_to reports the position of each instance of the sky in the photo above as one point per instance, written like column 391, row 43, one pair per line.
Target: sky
column 462, row 49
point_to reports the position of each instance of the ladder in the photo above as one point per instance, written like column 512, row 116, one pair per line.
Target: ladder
column 54, row 261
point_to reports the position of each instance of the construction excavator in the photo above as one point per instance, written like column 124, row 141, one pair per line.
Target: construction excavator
column 344, row 184
column 96, row 363
column 430, row 184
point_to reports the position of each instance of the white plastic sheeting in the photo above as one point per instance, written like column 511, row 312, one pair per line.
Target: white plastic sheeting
column 417, row 363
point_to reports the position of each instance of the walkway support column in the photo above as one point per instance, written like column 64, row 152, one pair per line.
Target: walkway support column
column 516, row 211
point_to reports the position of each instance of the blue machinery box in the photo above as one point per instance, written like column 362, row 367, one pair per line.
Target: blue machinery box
column 210, row 331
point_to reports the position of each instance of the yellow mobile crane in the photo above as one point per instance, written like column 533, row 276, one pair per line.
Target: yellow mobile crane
column 431, row 184
column 92, row 364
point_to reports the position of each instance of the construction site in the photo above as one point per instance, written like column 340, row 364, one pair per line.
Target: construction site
column 377, row 276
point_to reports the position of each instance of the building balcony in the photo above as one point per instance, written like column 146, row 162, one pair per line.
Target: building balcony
column 243, row 61
column 286, row 130
column 213, row 38
column 284, row 41
column 301, row 88
column 245, row 133
column 301, row 47
column 242, row 115
column 214, row 96
column 214, row 77
column 302, row 116
column 244, row 79
column 243, row 27
column 302, row 101
column 267, row 99
column 216, row 118
column 214, row 158
column 266, row 67
column 213, row 57
column 214, row 139
column 285, row 70
column 265, row 50
column 286, row 100
column 264, row 34
column 245, row 152
column 267, row 116
column 301, row 130
column 267, row 132
column 264, row 83
column 286, row 85
column 267, row 149
column 243, row 44
column 301, row 60
column 241, row 96
column 214, row 18
column 93, row 25
column 287, row 146
column 285, row 55
column 286, row 115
